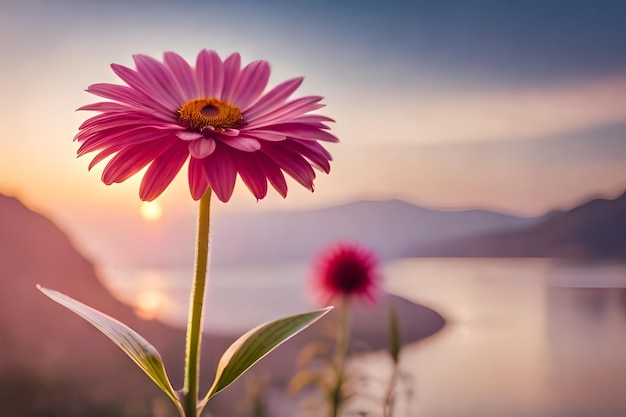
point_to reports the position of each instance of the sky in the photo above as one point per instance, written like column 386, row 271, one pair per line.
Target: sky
column 514, row 106
column 517, row 106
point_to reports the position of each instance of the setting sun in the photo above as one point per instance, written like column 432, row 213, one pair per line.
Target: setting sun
column 151, row 211
column 150, row 304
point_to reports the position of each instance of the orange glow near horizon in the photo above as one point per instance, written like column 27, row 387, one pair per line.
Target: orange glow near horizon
column 151, row 211
column 151, row 304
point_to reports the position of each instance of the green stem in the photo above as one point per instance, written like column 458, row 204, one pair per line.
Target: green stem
column 390, row 399
column 341, row 352
column 194, row 325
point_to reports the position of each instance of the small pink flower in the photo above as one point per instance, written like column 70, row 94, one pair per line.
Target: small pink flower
column 216, row 115
column 345, row 270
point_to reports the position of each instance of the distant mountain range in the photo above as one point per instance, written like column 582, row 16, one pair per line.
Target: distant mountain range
column 396, row 229
column 392, row 228
column 596, row 229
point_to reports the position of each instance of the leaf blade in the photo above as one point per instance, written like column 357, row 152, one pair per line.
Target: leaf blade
column 256, row 344
column 130, row 342
column 395, row 339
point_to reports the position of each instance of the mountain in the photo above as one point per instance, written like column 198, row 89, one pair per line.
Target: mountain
column 595, row 229
column 391, row 228
column 52, row 363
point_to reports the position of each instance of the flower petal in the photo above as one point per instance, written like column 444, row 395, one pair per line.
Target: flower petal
column 187, row 135
column 290, row 162
column 252, row 174
column 198, row 181
column 133, row 118
column 251, row 83
column 162, row 171
column 264, row 135
column 273, row 99
column 138, row 83
column 232, row 66
column 131, row 160
column 160, row 80
column 230, row 132
column 313, row 151
column 132, row 97
column 312, row 118
column 201, row 148
column 183, row 73
column 304, row 131
column 121, row 136
column 105, row 106
column 243, row 143
column 286, row 112
column 103, row 155
column 221, row 172
column 273, row 173
column 209, row 74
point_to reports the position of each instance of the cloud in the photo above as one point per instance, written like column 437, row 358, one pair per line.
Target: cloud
column 486, row 114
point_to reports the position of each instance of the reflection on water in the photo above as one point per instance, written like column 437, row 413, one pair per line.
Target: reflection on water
column 237, row 298
column 525, row 338
column 520, row 342
column 586, row 338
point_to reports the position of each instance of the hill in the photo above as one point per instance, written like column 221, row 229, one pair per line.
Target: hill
column 52, row 363
column 390, row 228
column 593, row 230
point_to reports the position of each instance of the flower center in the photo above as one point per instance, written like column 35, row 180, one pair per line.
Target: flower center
column 209, row 112
column 350, row 276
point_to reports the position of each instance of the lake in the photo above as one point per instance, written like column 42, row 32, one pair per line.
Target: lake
column 525, row 337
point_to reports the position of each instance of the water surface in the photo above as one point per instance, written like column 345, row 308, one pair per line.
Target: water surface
column 524, row 338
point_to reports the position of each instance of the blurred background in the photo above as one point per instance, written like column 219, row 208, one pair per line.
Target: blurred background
column 482, row 155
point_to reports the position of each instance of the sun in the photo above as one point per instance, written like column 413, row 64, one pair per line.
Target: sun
column 151, row 211
column 150, row 304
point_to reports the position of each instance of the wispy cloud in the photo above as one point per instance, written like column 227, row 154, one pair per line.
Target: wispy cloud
column 487, row 114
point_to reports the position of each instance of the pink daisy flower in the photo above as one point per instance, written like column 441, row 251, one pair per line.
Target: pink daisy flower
column 216, row 115
column 345, row 270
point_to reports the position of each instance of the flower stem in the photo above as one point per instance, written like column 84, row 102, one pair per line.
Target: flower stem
column 390, row 397
column 194, row 325
column 339, row 357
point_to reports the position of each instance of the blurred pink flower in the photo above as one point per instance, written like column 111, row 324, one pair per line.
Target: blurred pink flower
column 345, row 270
column 216, row 114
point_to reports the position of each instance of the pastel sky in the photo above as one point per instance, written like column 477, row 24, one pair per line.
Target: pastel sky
column 518, row 106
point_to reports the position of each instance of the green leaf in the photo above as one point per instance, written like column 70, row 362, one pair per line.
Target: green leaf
column 254, row 345
column 395, row 341
column 136, row 347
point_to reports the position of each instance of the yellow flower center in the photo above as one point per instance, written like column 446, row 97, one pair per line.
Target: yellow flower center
column 202, row 112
